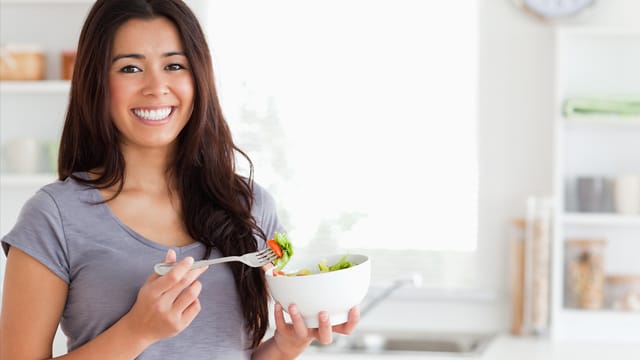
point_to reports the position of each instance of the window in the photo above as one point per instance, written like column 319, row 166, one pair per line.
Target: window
column 360, row 118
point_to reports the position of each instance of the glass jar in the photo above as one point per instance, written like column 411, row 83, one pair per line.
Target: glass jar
column 584, row 273
column 623, row 292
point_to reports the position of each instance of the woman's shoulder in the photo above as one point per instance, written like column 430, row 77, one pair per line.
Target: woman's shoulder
column 68, row 186
column 262, row 197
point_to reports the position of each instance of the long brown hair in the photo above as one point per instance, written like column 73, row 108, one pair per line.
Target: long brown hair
column 216, row 202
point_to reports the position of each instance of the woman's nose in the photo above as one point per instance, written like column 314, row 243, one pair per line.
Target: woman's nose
column 155, row 83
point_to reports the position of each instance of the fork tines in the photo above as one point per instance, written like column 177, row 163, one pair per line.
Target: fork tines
column 267, row 255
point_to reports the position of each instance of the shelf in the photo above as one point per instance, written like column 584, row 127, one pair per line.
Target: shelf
column 599, row 63
column 599, row 31
column 35, row 87
column 26, row 180
column 601, row 219
column 575, row 324
column 606, row 120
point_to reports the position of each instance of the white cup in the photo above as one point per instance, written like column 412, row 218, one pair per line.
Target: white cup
column 627, row 194
column 22, row 155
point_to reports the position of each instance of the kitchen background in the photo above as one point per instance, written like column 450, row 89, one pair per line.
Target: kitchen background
column 528, row 158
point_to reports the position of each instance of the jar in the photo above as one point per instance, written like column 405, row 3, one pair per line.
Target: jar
column 68, row 60
column 584, row 273
column 623, row 292
column 22, row 62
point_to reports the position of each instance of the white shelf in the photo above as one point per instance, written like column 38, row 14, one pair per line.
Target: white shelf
column 35, row 87
column 606, row 120
column 601, row 219
column 594, row 62
column 599, row 30
column 26, row 180
column 576, row 324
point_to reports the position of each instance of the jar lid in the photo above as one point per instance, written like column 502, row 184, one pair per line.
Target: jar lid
column 623, row 278
column 519, row 222
column 584, row 242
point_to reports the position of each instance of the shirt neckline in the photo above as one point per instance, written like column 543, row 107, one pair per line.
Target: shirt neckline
column 99, row 200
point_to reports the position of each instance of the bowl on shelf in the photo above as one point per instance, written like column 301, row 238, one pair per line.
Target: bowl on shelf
column 335, row 291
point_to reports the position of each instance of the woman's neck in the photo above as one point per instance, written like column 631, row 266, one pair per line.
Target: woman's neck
column 146, row 169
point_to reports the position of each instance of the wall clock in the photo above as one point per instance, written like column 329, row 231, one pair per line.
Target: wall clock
column 554, row 9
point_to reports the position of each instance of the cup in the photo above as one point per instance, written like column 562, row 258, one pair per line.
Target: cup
column 593, row 194
column 627, row 194
column 22, row 155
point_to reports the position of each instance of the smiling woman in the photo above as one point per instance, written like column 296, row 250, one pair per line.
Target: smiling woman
column 360, row 117
column 147, row 172
column 151, row 86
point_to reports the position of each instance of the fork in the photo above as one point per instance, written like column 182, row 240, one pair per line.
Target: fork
column 254, row 259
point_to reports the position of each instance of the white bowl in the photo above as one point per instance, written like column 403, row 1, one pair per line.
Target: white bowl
column 335, row 292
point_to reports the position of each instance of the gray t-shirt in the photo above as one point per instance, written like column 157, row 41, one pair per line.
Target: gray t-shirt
column 105, row 263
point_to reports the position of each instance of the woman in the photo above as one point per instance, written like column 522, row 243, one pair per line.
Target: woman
column 146, row 174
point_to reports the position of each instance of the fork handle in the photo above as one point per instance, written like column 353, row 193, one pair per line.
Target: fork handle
column 163, row 268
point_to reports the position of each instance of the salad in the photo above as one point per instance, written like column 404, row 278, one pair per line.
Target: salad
column 283, row 249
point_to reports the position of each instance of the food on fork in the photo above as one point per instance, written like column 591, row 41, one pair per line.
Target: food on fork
column 283, row 249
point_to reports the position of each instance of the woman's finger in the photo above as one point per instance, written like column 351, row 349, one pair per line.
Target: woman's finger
column 187, row 296
column 190, row 312
column 324, row 334
column 281, row 324
column 300, row 328
column 348, row 327
column 169, row 280
column 170, row 257
column 187, row 280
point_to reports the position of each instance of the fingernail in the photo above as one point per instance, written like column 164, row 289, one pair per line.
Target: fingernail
column 324, row 316
column 278, row 306
column 189, row 260
column 293, row 310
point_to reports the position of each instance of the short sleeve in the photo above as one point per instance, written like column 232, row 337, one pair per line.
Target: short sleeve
column 266, row 214
column 39, row 233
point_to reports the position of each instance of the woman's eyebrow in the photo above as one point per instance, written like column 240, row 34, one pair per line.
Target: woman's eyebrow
column 142, row 57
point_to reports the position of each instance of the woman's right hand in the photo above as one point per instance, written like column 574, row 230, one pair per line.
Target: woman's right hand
column 167, row 304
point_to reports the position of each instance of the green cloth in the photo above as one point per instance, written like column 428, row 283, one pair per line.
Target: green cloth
column 600, row 106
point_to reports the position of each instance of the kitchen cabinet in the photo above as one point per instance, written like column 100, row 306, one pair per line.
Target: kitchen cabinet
column 32, row 112
column 594, row 63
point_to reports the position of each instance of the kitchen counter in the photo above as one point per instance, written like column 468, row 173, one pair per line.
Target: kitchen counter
column 505, row 347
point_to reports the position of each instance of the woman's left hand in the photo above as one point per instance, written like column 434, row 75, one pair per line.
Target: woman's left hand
column 298, row 336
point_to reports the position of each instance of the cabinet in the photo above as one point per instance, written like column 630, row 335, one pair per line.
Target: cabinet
column 32, row 112
column 594, row 63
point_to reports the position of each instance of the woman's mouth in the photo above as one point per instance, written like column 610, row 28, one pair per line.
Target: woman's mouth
column 157, row 114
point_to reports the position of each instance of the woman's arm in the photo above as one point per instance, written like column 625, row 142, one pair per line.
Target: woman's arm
column 32, row 303
column 34, row 298
column 290, row 340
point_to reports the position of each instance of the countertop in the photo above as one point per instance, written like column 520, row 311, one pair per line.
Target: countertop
column 506, row 347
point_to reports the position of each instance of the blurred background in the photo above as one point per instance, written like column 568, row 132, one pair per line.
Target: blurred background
column 483, row 153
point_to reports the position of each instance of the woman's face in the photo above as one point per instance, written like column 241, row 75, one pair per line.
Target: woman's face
column 150, row 83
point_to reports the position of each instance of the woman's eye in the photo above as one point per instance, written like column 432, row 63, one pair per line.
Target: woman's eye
column 174, row 67
column 130, row 69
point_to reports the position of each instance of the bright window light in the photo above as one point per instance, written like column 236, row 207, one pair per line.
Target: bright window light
column 360, row 118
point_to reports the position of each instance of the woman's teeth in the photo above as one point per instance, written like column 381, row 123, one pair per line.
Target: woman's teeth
column 156, row 114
